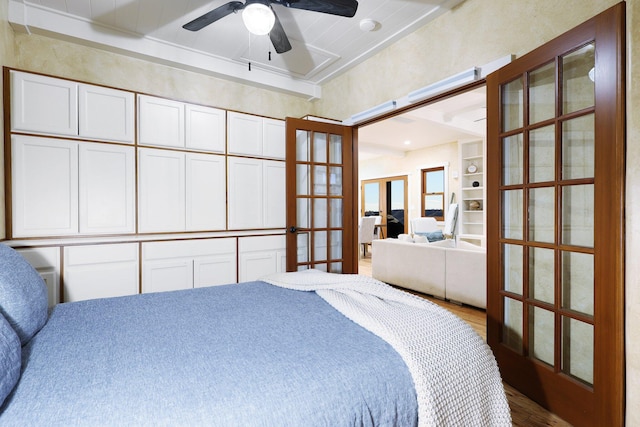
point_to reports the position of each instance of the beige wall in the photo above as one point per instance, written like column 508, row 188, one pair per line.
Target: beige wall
column 480, row 31
column 475, row 33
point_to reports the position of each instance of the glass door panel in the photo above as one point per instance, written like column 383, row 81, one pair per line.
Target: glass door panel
column 542, row 87
column 542, row 214
column 396, row 208
column 577, row 349
column 542, row 154
column 577, row 282
column 541, row 274
column 541, row 333
column 371, row 194
column 578, row 79
column 512, row 105
column 512, row 214
column 578, row 204
column 578, row 148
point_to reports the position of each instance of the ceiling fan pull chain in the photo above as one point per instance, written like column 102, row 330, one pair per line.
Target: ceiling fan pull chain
column 249, row 66
column 269, row 55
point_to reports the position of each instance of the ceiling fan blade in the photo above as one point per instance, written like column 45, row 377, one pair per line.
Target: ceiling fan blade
column 211, row 17
column 279, row 37
column 346, row 8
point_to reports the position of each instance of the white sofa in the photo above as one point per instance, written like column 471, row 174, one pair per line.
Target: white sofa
column 444, row 269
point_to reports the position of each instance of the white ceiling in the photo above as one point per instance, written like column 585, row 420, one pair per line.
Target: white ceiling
column 323, row 45
column 452, row 119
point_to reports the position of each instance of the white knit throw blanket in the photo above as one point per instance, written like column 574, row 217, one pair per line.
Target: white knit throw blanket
column 454, row 371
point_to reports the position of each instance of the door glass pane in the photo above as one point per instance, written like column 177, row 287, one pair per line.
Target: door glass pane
column 577, row 282
column 512, row 102
column 542, row 154
column 335, row 149
column 335, row 216
column 395, row 208
column 512, row 256
column 321, row 267
column 336, row 267
column 320, row 213
column 512, row 214
column 303, row 247
column 577, row 215
column 303, row 213
column 577, row 349
column 302, row 145
column 336, row 244
column 320, row 180
column 513, row 160
column 542, row 214
column 541, row 334
column 320, row 245
column 542, row 90
column 578, row 79
column 512, row 324
column 335, row 181
column 302, row 180
column 541, row 274
column 371, row 199
column 578, row 148
column 320, row 147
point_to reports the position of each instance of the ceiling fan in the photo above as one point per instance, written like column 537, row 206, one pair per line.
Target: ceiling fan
column 260, row 18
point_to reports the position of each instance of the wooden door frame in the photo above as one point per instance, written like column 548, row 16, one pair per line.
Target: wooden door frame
column 605, row 405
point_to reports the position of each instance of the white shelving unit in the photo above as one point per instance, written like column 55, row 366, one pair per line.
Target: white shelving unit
column 472, row 215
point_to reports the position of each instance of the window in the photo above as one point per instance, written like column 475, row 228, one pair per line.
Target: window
column 433, row 193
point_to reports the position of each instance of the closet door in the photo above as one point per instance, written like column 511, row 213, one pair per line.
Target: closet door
column 161, row 190
column 107, row 188
column 274, row 194
column 205, row 192
column 245, row 193
column 273, row 136
column 44, row 186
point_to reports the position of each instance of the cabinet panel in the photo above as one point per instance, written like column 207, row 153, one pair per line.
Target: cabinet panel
column 107, row 177
column 161, row 122
column 44, row 186
column 273, row 132
column 46, row 261
column 274, row 195
column 100, row 271
column 260, row 256
column 255, row 265
column 173, row 275
column 214, row 270
column 245, row 134
column 245, row 193
column 106, row 114
column 43, row 104
column 206, row 128
column 161, row 176
column 205, row 192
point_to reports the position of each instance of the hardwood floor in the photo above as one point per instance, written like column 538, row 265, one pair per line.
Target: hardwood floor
column 524, row 411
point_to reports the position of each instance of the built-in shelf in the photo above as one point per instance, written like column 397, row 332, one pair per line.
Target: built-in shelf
column 472, row 218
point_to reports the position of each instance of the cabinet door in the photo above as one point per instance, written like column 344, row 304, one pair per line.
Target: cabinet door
column 44, row 186
column 167, row 275
column 245, row 193
column 46, row 261
column 107, row 177
column 161, row 122
column 214, row 270
column 206, row 128
column 273, row 132
column 255, row 265
column 43, row 104
column 205, row 192
column 245, row 134
column 274, row 195
column 161, row 198
column 106, row 114
column 100, row 271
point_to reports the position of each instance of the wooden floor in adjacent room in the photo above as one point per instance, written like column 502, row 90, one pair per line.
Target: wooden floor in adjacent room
column 524, row 411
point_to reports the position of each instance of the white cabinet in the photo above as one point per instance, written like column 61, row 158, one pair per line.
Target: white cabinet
column 256, row 136
column 100, row 271
column 62, row 187
column 260, row 256
column 174, row 265
column 472, row 216
column 46, row 261
column 256, row 193
column 47, row 105
column 106, row 114
column 180, row 191
column 107, row 188
column 170, row 123
column 43, row 104
column 44, row 186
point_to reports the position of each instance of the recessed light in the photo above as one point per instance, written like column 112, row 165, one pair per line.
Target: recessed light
column 407, row 142
column 369, row 25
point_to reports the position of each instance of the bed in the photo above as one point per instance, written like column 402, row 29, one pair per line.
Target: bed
column 297, row 349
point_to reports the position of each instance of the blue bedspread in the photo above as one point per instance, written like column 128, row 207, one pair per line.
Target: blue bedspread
column 237, row 355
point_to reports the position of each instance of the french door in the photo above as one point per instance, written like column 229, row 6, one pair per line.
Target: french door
column 386, row 197
column 555, row 210
column 321, row 180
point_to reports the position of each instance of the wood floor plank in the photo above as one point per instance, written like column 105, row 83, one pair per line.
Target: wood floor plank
column 524, row 411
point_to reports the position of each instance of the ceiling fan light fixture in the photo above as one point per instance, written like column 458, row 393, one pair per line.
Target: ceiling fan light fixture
column 258, row 18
